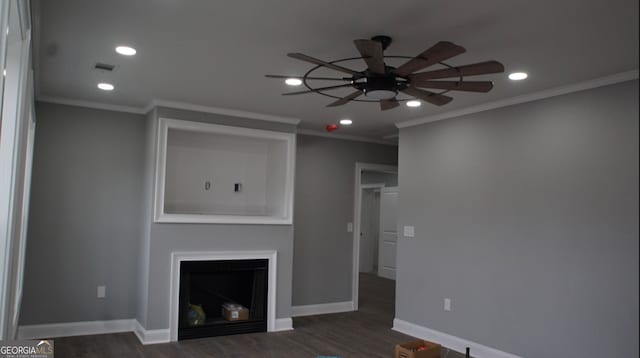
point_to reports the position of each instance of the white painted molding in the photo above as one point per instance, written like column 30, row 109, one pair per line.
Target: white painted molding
column 216, row 110
column 153, row 336
column 552, row 92
column 54, row 330
column 289, row 140
column 459, row 344
column 177, row 257
column 354, row 138
column 324, row 308
column 90, row 104
column 169, row 104
column 283, row 324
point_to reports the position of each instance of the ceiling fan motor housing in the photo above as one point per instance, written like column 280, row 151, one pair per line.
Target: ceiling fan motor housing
column 379, row 87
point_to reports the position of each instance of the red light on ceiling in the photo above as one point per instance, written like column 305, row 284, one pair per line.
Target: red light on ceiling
column 332, row 127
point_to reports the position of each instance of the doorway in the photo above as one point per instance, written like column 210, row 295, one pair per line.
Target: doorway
column 370, row 253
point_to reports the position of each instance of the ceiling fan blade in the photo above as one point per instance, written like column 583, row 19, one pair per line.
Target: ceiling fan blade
column 476, row 69
column 316, row 90
column 302, row 57
column 309, row 78
column 468, row 86
column 441, row 51
column 387, row 104
column 373, row 55
column 433, row 98
column 345, row 99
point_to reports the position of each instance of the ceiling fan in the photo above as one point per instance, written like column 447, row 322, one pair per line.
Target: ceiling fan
column 383, row 83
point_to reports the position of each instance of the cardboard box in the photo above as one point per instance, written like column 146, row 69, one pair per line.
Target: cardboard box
column 234, row 312
column 410, row 349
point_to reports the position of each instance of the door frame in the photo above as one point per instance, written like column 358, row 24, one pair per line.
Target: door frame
column 357, row 211
column 364, row 187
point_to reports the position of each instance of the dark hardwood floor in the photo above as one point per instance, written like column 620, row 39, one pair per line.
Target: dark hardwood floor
column 363, row 334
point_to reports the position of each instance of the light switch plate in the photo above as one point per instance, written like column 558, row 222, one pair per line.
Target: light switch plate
column 409, row 231
column 102, row 291
column 349, row 227
column 447, row 304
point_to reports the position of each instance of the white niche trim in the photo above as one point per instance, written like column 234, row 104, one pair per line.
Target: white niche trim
column 264, row 158
column 178, row 257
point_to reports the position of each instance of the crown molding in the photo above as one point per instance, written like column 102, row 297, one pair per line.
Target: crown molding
column 354, row 138
column 90, row 104
column 169, row 104
column 552, row 92
column 216, row 110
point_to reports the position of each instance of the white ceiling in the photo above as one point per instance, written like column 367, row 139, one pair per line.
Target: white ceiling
column 216, row 53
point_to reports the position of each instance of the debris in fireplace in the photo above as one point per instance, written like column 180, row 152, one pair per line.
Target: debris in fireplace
column 234, row 312
column 196, row 315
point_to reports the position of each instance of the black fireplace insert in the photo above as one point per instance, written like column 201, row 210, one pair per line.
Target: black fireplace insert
column 222, row 297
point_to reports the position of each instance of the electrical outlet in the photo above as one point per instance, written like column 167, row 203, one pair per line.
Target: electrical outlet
column 102, row 291
column 447, row 304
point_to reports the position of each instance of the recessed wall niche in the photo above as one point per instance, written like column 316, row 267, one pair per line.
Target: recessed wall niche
column 207, row 173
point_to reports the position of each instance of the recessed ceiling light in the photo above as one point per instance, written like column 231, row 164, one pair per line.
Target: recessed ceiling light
column 126, row 50
column 518, row 76
column 293, row 81
column 414, row 103
column 346, row 122
column 106, row 86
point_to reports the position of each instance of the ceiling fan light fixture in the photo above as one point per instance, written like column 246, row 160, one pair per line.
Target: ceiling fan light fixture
column 293, row 81
column 414, row 103
column 380, row 94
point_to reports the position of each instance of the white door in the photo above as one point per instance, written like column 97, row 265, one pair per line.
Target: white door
column 388, row 232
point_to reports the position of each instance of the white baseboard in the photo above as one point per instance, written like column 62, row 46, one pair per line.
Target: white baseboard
column 54, row 330
column 152, row 336
column 449, row 341
column 283, row 324
column 325, row 308
column 145, row 336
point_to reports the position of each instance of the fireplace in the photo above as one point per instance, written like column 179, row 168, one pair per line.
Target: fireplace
column 222, row 297
column 178, row 258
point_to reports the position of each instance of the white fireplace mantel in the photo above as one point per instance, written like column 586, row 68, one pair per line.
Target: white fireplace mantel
column 177, row 257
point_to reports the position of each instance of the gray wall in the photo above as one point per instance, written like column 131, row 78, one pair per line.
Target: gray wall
column 323, row 251
column 166, row 238
column 85, row 214
column 527, row 218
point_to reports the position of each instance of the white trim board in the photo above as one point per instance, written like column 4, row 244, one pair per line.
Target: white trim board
column 174, row 291
column 53, row 330
column 217, row 110
column 169, row 104
column 152, row 336
column 283, row 324
column 459, row 344
column 90, row 104
column 354, row 138
column 324, row 308
column 552, row 92
column 289, row 140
